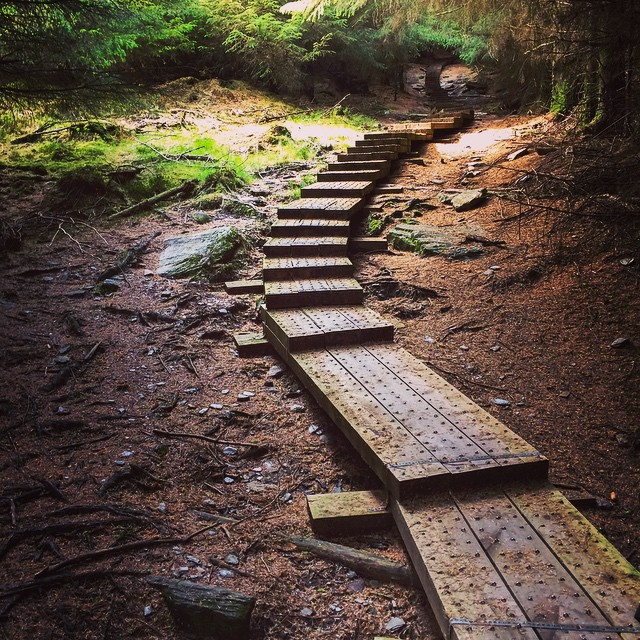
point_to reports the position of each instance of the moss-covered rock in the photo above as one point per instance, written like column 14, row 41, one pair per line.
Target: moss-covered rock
column 213, row 254
column 432, row 241
column 209, row 201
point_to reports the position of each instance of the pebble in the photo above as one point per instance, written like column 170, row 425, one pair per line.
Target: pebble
column 162, row 507
column 430, row 340
column 306, row 612
column 119, row 463
column 285, row 497
column 192, row 559
column 244, row 397
column 464, row 347
column 619, row 343
column 223, row 312
column 230, row 451
column 356, row 586
column 297, row 408
column 625, row 262
column 232, row 559
column 226, row 573
column 496, row 348
column 148, row 610
column 275, row 372
column 203, row 411
column 63, row 359
column 395, row 624
column 500, row 402
column 314, row 428
column 191, row 390
column 147, row 272
column 61, row 411
column 127, row 453
column 225, row 392
column 216, row 405
column 228, row 480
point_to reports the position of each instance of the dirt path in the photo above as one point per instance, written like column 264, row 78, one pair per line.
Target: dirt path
column 88, row 378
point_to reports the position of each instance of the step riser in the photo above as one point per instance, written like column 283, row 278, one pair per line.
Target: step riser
column 304, row 251
column 385, row 135
column 394, row 141
column 378, row 155
column 380, row 148
column 282, row 231
column 315, row 214
column 318, row 191
column 379, row 165
column 307, row 273
column 347, row 175
column 320, row 298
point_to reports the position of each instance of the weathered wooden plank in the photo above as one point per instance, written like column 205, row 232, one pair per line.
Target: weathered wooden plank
column 358, row 157
column 317, row 327
column 282, row 294
column 305, row 247
column 361, row 165
column 349, row 513
column 334, row 208
column 306, row 268
column 309, row 227
column 385, row 135
column 459, row 579
column 237, row 287
column 252, row 345
column 365, row 244
column 355, row 175
column 380, row 148
column 344, row 189
column 505, row 448
column 611, row 582
column 402, row 142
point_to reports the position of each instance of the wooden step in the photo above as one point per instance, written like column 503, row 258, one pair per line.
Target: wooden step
column 367, row 244
column 349, row 513
column 309, row 227
column 386, row 135
column 305, row 246
column 362, row 165
column 416, row 431
column 306, row 268
column 238, row 287
column 352, row 176
column 517, row 555
column 252, row 345
column 356, row 157
column 343, row 189
column 400, row 142
column 379, row 148
column 283, row 294
column 330, row 208
column 319, row 327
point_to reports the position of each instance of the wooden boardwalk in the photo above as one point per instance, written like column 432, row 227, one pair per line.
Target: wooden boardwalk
column 500, row 553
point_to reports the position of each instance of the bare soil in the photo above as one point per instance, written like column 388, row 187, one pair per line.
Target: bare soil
column 98, row 388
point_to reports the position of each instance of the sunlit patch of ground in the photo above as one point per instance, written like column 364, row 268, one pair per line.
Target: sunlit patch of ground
column 476, row 142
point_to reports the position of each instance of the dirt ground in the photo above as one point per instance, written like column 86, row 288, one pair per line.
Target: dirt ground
column 99, row 391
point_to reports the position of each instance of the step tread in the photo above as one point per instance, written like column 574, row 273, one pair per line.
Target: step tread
column 410, row 425
column 515, row 554
column 317, row 327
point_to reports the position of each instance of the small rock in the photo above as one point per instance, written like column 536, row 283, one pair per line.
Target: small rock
column 622, row 439
column 232, row 559
column 225, row 392
column 61, row 411
column 285, row 497
column 464, row 347
column 489, row 273
column 430, row 340
column 356, row 586
column 496, row 348
column 275, row 372
column 256, row 487
column 192, row 560
column 147, row 273
column 228, row 480
column 230, row 451
column 127, row 453
column 243, row 397
column 226, row 573
column 306, row 612
column 314, row 428
column 297, row 408
column 517, row 154
column 249, row 394
column 467, row 200
column 620, row 343
column 148, row 610
column 627, row 262
column 62, row 359
column 200, row 217
column 500, row 402
column 395, row 624
column 162, row 507
column 216, row 405
column 119, row 463
column 203, row 411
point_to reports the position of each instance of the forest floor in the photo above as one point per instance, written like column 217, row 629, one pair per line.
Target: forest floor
column 94, row 386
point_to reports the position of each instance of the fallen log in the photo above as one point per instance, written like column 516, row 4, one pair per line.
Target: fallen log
column 366, row 564
column 186, row 187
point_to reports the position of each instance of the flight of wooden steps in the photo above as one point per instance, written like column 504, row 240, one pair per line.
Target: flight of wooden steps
column 500, row 553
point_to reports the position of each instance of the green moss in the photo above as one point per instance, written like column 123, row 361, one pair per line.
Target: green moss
column 375, row 224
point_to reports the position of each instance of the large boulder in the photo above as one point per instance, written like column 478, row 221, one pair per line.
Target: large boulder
column 427, row 240
column 212, row 254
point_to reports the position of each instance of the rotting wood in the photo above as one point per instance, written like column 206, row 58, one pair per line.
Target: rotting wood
column 186, row 187
column 366, row 564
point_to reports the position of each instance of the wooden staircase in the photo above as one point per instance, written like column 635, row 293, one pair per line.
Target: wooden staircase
column 500, row 553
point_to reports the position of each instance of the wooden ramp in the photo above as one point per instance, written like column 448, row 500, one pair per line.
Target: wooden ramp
column 500, row 553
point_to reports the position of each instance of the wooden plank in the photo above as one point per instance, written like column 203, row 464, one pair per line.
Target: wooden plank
column 334, row 208
column 384, row 135
column 305, row 247
column 344, row 189
column 306, row 268
column 366, row 244
column 459, row 579
column 611, row 582
column 309, row 227
column 352, row 175
column 283, row 294
column 319, row 327
column 252, row 345
column 402, row 142
column 399, row 460
column 380, row 148
column 237, row 287
column 506, row 449
column 349, row 513
column 361, row 165
column 358, row 157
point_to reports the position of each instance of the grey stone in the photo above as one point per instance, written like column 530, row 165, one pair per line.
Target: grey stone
column 208, row 254
column 517, row 154
column 200, row 217
column 232, row 559
column 501, row 402
column 395, row 624
column 298, row 408
column 230, row 451
column 468, row 199
column 619, row 343
column 306, row 612
column 426, row 240
column 275, row 372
